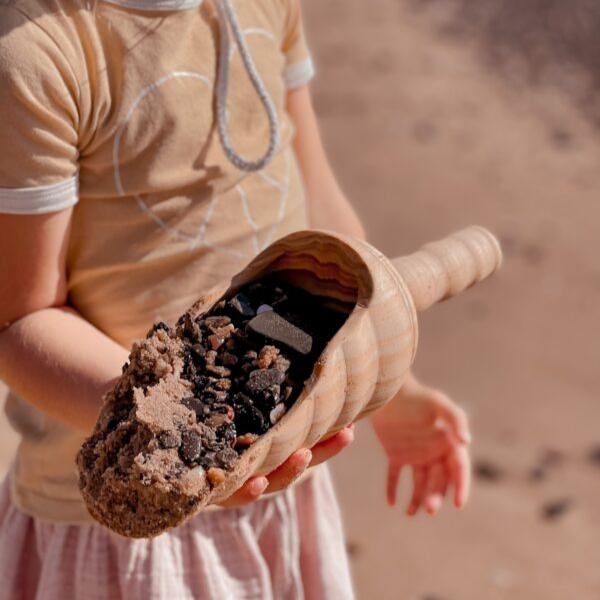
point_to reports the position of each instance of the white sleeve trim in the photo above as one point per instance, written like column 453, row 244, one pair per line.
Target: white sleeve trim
column 41, row 199
column 298, row 74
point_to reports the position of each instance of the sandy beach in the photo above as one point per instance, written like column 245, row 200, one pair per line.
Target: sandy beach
column 439, row 114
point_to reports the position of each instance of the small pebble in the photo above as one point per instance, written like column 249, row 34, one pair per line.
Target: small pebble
column 200, row 408
column 266, row 356
column 223, row 384
column 261, row 379
column 353, row 548
column 199, row 350
column 487, row 471
column 243, row 441
column 555, row 509
column 169, row 439
column 263, row 308
column 229, row 359
column 191, row 445
column 241, row 304
column 215, row 341
column 216, row 476
column 194, row 477
column 217, row 322
column 218, row 370
column 217, row 420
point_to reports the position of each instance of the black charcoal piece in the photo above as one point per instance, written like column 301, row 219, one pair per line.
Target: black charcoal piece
column 227, row 433
column 275, row 328
column 247, row 417
column 241, row 304
column 198, row 351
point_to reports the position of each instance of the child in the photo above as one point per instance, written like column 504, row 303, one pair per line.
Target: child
column 149, row 148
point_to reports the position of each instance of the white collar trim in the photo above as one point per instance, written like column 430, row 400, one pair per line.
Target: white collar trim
column 158, row 5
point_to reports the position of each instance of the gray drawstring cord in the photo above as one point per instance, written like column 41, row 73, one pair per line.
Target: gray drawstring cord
column 228, row 20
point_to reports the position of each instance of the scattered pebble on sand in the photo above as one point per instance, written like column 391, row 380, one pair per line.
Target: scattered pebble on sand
column 594, row 456
column 548, row 460
column 487, row 471
column 556, row 509
column 353, row 549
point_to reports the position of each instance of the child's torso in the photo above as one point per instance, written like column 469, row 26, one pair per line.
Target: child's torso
column 162, row 214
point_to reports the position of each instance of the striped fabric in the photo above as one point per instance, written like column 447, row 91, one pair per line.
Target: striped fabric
column 287, row 547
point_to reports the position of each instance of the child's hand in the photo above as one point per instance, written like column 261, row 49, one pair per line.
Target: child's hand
column 423, row 429
column 291, row 469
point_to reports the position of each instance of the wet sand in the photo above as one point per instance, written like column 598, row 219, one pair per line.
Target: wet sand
column 431, row 128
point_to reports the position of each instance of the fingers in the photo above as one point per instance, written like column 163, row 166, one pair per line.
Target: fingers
column 435, row 488
column 289, row 471
column 252, row 490
column 332, row 446
column 419, row 483
column 458, row 464
column 392, row 482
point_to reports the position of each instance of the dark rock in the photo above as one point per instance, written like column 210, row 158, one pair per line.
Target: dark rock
column 191, row 446
column 261, row 379
column 248, row 419
column 226, row 457
column 241, row 304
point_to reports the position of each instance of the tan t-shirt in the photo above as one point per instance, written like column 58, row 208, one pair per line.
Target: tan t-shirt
column 112, row 110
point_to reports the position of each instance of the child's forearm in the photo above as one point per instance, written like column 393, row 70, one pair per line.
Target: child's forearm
column 328, row 207
column 60, row 363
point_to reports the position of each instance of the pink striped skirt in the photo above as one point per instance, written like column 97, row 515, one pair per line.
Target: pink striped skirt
column 289, row 546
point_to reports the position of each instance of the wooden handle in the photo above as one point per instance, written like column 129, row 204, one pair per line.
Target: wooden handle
column 445, row 268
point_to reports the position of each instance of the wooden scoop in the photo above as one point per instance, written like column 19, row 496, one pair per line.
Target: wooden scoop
column 366, row 362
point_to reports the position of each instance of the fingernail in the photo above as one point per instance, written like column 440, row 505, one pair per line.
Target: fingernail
column 350, row 435
column 306, row 455
column 258, row 486
column 433, row 505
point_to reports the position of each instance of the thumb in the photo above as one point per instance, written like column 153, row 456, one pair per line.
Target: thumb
column 392, row 482
column 455, row 417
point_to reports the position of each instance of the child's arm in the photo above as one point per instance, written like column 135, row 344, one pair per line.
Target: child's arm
column 56, row 360
column 49, row 355
column 421, row 427
column 328, row 207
